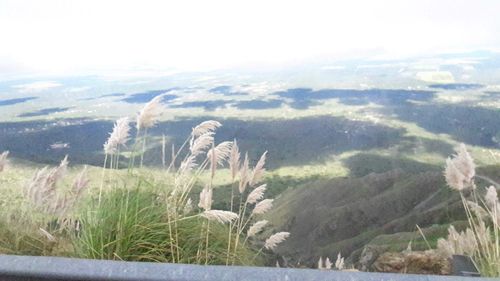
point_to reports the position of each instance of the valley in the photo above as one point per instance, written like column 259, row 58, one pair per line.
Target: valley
column 351, row 164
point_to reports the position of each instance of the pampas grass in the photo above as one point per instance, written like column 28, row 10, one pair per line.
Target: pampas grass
column 234, row 160
column 325, row 264
column 205, row 127
column 256, row 195
column 147, row 118
column 3, row 160
column 339, row 263
column 220, row 216
column 256, row 228
column 258, row 171
column 205, row 198
column 275, row 239
column 481, row 240
column 149, row 114
column 152, row 219
column 328, row 263
column 263, row 207
column 204, row 155
column 460, row 170
column 43, row 192
column 118, row 137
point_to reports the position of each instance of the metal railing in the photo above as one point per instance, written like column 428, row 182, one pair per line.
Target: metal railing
column 23, row 268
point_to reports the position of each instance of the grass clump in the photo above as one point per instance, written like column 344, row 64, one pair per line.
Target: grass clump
column 19, row 241
column 132, row 225
column 126, row 225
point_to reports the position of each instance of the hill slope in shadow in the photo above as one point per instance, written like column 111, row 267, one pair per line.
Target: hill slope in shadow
column 329, row 216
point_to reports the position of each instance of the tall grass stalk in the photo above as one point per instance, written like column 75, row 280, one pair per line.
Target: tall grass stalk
column 101, row 186
column 143, row 151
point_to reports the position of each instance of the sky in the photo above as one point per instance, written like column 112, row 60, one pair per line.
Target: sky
column 87, row 36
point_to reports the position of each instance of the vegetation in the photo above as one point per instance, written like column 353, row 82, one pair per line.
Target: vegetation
column 343, row 179
column 142, row 219
column 481, row 239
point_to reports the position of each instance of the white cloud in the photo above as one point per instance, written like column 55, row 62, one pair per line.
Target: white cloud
column 333, row 67
column 94, row 35
column 381, row 65
column 436, row 76
column 37, row 86
column 78, row 89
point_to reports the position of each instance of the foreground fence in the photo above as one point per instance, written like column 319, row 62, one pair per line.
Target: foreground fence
column 24, row 268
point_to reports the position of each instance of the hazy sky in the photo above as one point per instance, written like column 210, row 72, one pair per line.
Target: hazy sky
column 52, row 36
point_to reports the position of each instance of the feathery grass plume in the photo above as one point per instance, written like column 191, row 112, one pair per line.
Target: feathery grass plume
column 61, row 206
column 205, row 127
column 119, row 136
column 188, row 165
column 234, row 160
column 3, row 160
column 275, row 239
column 37, row 186
column 59, row 172
column 465, row 163
column 453, row 234
column 244, row 175
column 463, row 243
column 256, row 228
column 445, row 248
column 258, row 170
column 460, row 169
column 188, row 207
column 80, row 183
column 485, row 239
column 328, row 263
column 163, row 150
column 201, row 143
column 454, row 178
column 479, row 211
column 339, row 263
column 256, row 194
column 263, row 206
column 206, row 198
column 468, row 242
column 148, row 116
column 42, row 187
column 320, row 263
column 222, row 153
column 491, row 197
column 43, row 193
column 220, row 216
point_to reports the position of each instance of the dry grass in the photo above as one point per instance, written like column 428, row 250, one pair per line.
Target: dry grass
column 481, row 240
